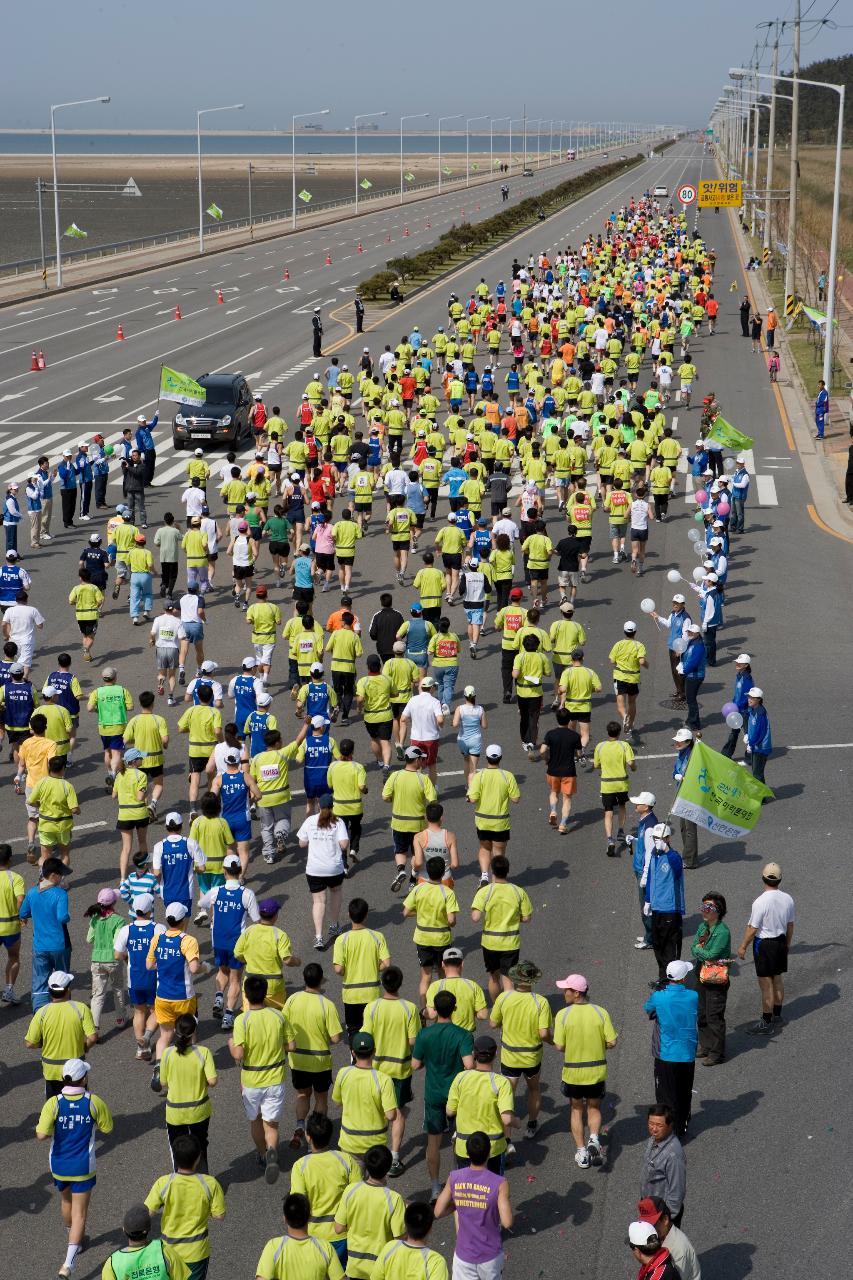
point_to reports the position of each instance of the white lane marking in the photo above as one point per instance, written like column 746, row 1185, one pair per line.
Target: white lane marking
column 766, row 487
column 63, row 333
column 232, row 311
column 41, row 319
column 16, row 395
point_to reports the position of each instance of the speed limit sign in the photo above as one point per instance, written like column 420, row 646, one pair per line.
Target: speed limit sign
column 687, row 193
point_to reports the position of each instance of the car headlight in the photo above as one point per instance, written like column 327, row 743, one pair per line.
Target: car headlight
column 226, row 421
column 179, row 420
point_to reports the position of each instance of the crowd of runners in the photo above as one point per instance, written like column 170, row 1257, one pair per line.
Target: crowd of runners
column 488, row 470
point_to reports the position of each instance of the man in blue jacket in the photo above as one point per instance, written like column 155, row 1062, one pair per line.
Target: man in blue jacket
column 757, row 737
column 640, row 843
column 146, row 446
column 67, row 478
column 85, row 478
column 689, row 832
column 744, row 680
column 663, row 882
column 693, row 662
column 674, row 1010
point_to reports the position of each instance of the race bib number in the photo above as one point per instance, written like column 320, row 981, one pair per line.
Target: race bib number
column 270, row 772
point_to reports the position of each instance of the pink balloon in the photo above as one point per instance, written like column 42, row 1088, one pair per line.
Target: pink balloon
column 701, row 496
column 723, row 509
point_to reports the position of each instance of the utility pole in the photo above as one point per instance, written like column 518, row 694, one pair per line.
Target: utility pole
column 524, row 125
column 771, row 143
column 791, row 260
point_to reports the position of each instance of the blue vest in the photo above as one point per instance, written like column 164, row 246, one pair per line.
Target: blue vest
column 139, row 937
column 226, row 916
column 743, row 682
column 72, row 1151
column 257, row 722
column 234, row 795
column 716, row 617
column 318, row 757
column 482, row 543
column 171, row 973
column 177, row 871
column 693, row 661
column 61, row 680
column 417, row 639
column 19, row 704
column 639, row 851
column 677, row 623
column 665, row 883
column 317, row 698
column 11, row 582
column 244, row 699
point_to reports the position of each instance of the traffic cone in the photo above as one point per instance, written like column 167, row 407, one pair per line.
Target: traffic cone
column 328, row 259
column 360, row 247
column 462, row 211
column 42, row 364
column 178, row 315
column 429, row 224
column 219, row 297
column 405, row 231
column 388, row 238
column 119, row 334
column 285, row 274
column 34, row 363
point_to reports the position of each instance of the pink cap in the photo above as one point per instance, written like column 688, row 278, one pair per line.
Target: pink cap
column 574, row 982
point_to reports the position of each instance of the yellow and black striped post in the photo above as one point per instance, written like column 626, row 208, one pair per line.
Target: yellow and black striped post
column 765, row 256
column 790, row 303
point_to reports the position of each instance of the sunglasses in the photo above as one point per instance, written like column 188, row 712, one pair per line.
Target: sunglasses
column 708, row 906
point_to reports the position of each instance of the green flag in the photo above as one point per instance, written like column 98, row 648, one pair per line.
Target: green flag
column 214, row 211
column 180, row 387
column 365, row 184
column 475, row 166
column 410, row 177
column 728, row 436
column 75, row 232
column 719, row 795
column 444, row 169
column 305, row 196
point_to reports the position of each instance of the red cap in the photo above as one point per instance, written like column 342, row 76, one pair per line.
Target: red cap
column 646, row 1211
column 516, row 594
column 260, row 591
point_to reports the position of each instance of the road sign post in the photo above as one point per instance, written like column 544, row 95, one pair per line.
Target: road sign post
column 687, row 193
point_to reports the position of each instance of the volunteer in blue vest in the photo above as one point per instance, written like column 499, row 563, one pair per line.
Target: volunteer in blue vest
column 740, row 493
column 640, row 843
column 67, row 479
column 316, row 754
column 237, row 792
column 757, row 737
column 674, row 1010
column 683, row 741
column 230, row 906
column 146, row 445
column 46, row 475
column 821, row 409
column 13, row 578
column 173, row 958
column 85, row 478
column 72, row 1120
column 711, row 616
column 663, row 881
column 693, row 663
column 175, row 860
column 744, row 681
column 11, row 517
column 132, row 944
column 676, row 623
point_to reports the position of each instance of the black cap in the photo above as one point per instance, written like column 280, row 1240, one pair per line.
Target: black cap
column 137, row 1220
column 485, row 1047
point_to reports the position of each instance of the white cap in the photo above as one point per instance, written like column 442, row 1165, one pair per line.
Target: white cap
column 645, row 797
column 661, row 831
column 264, row 699
column 693, row 628
column 174, row 819
column 740, row 458
column 75, row 1069
column 743, row 659
column 199, row 453
column 248, row 663
column 143, row 902
column 231, row 863
column 140, row 417
column 755, row 692
column 318, row 722
column 683, row 735
column 176, row 911
column 316, row 667
column 49, row 691
column 678, row 970
column 642, row 1234
column 452, row 517
column 711, row 577
column 59, row 980
column 715, row 542
column 678, row 599
column 209, row 666
column 630, row 626
column 494, row 751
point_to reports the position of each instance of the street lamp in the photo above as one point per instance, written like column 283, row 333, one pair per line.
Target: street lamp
column 367, row 115
column 422, row 115
column 468, row 124
column 303, row 115
column 206, row 111
column 441, row 120
column 738, row 73
column 60, row 106
column 492, row 123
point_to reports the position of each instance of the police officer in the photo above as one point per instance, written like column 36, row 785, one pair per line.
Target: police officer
column 359, row 316
column 317, row 332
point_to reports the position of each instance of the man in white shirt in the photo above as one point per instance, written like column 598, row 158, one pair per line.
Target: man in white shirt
column 422, row 718
column 506, row 525
column 770, row 931
column 194, row 498
column 164, row 638
column 20, row 623
column 191, row 631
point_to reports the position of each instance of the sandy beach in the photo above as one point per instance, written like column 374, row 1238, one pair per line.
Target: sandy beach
column 114, row 168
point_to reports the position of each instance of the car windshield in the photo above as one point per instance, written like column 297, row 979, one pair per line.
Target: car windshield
column 220, row 395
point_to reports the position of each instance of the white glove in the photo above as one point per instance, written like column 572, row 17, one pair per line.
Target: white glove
column 629, row 840
column 678, row 777
column 647, row 908
column 746, row 741
column 680, row 668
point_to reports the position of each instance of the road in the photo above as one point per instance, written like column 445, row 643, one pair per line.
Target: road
column 757, row 1126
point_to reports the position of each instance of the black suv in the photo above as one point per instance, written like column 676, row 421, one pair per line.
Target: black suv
column 224, row 418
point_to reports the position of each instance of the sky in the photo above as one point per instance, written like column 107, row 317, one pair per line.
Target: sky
column 161, row 60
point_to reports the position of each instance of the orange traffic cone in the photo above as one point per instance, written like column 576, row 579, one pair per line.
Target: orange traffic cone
column 328, row 259
column 360, row 247
column 219, row 297
column 178, row 315
column 34, row 363
column 462, row 211
column 285, row 274
column 405, row 231
column 42, row 364
column 119, row 334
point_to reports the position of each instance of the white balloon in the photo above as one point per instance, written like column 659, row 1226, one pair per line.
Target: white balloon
column 698, row 573
column 647, row 605
column 694, row 535
column 673, row 576
column 734, row 720
column 729, row 464
column 700, row 549
column 679, row 645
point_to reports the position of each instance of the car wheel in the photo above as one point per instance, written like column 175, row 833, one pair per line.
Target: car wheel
column 178, row 444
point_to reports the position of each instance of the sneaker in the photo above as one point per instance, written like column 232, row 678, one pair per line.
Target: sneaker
column 280, row 842
column 201, row 918
column 171, row 702
column 472, row 652
column 269, row 858
column 334, row 930
column 9, row 997
column 399, row 880
column 530, row 748
column 271, row 1169
column 228, row 1020
column 760, row 1028
column 319, row 944
column 445, row 709
column 620, row 834
column 642, row 945
column 182, row 676
column 510, row 1149
column 611, row 848
column 532, row 1126
column 596, row 1155
column 507, row 697
column 218, row 1005
column 297, row 1140
column 155, row 1080
column 396, row 1169
column 582, row 1159
column 143, row 1053
column 484, row 878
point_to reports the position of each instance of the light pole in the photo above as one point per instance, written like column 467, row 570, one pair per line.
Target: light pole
column 206, row 111
column 366, row 115
column 303, row 115
column 441, row 120
column 492, row 123
column 468, row 124
column 739, row 72
column 421, row 115
column 60, row 106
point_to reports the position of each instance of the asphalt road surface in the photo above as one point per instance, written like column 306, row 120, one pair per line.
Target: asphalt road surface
column 778, row 1112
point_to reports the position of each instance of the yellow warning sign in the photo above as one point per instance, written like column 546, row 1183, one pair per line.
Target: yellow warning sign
column 765, row 255
column 716, row 193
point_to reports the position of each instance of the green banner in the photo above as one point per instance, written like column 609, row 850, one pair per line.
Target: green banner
column 444, row 169
column 214, row 211
column 305, row 196
column 728, row 436
column 180, row 387
column 410, row 177
column 719, row 795
column 365, row 184
column 75, row 232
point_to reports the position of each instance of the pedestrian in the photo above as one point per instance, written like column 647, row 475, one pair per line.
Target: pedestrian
column 34, row 503
column 393, row 1262
column 266, row 949
column 131, row 946
column 769, row 933
column 175, row 861
column 259, row 1043
column 664, row 1171
column 373, row 698
column 72, row 1119
column 101, row 470
column 757, row 737
column 317, row 333
column 673, row 1008
column 583, row 1032
column 85, row 478
column 188, row 1200
column 504, row 908
column 46, row 476
column 384, row 625
column 107, row 971
column 314, row 1027
column 663, row 882
column 693, row 664
column 60, row 1027
column 529, row 671
column 560, row 749
column 21, row 621
column 770, row 327
column 143, row 1256
column 422, row 718
column 654, row 1212
column 130, row 791
column 46, row 904
column 297, row 1252
column 145, row 442
column 359, row 315
column 684, row 740
column 67, row 478
column 613, row 759
column 134, row 487
column 11, row 517
column 711, row 616
column 112, row 702
column 744, row 681
column 442, row 1049
column 174, row 960
column 481, row 1101
column 167, row 540
column 628, row 656
column 409, row 793
column 187, row 1072
column 756, row 323
column 640, row 843
column 655, row 1261
column 480, row 1201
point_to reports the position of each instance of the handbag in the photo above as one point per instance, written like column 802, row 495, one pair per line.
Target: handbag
column 714, row 973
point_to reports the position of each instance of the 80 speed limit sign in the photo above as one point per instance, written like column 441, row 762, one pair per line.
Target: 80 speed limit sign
column 686, row 193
